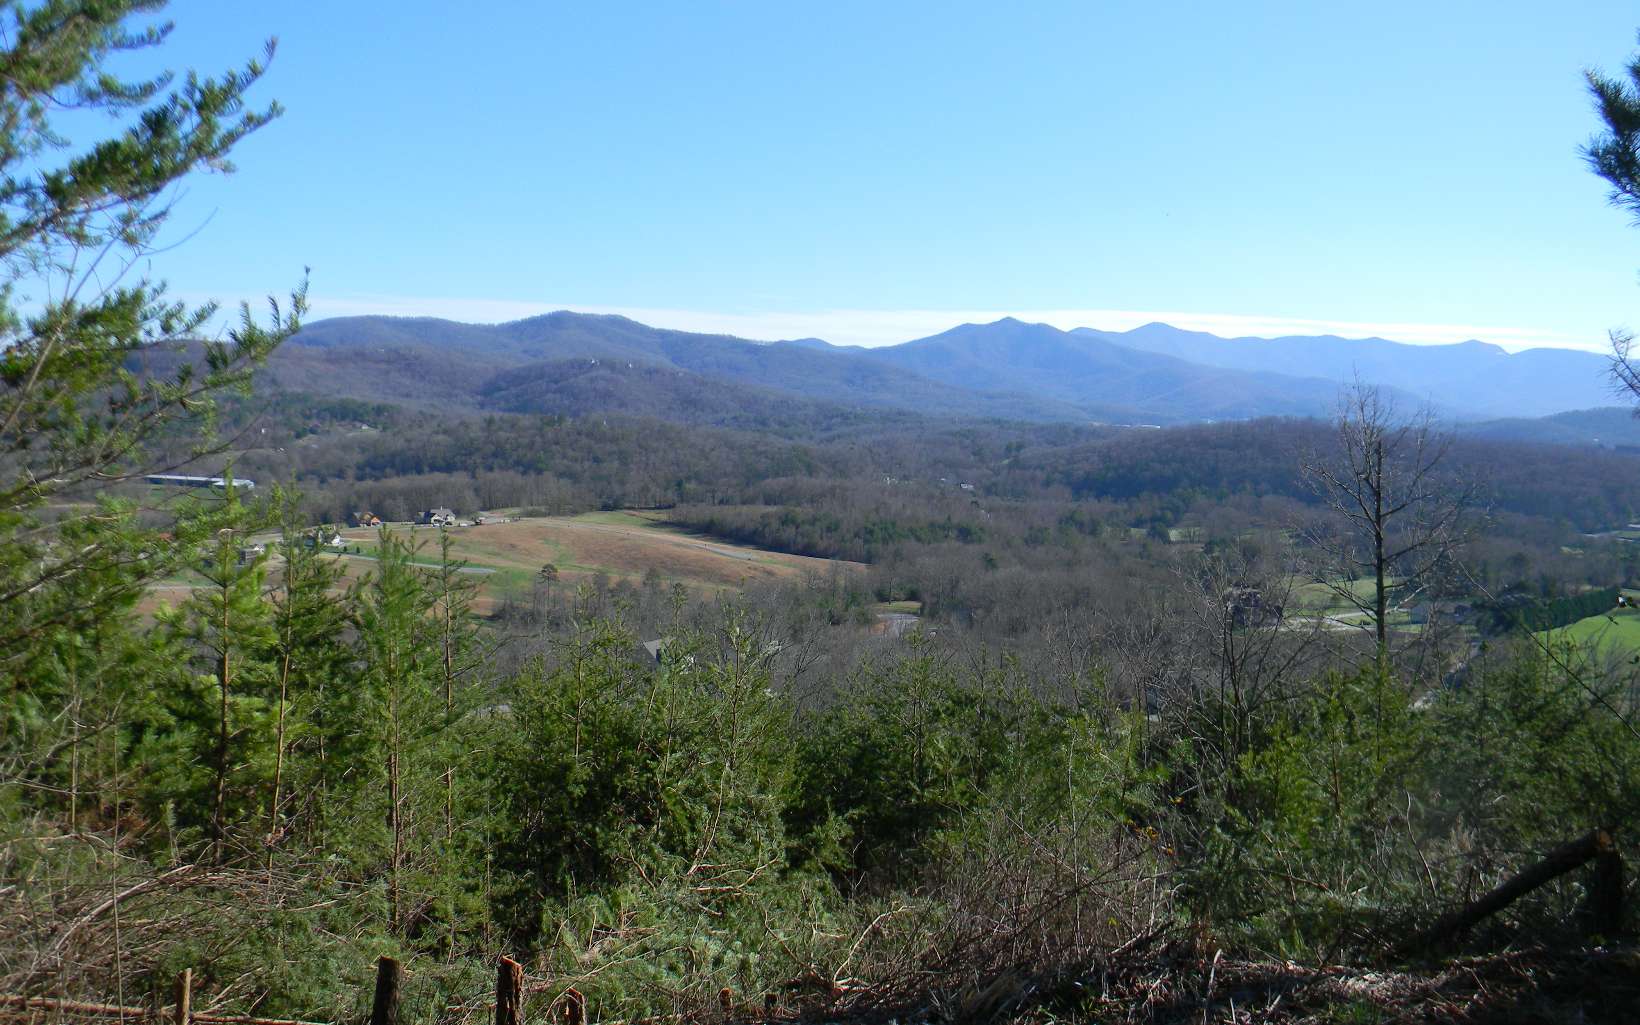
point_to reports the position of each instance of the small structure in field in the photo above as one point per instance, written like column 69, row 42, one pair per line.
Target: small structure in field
column 1248, row 608
column 440, row 517
column 363, row 518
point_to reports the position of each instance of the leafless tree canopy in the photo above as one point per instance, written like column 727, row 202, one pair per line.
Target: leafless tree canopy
column 1396, row 516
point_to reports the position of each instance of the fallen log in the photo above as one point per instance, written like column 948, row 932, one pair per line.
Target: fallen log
column 1558, row 862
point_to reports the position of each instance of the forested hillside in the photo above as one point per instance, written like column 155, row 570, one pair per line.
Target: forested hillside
column 545, row 349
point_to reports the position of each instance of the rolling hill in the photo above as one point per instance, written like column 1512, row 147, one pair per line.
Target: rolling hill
column 1607, row 427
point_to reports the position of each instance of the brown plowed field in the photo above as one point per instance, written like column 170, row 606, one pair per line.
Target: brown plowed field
column 624, row 544
column 621, row 545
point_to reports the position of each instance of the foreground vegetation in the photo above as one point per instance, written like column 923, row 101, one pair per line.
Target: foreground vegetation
column 334, row 778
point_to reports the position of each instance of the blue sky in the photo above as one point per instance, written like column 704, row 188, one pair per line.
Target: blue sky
column 872, row 172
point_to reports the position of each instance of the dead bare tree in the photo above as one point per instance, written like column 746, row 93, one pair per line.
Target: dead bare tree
column 1398, row 517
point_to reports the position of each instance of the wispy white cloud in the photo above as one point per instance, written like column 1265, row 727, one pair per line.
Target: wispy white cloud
column 887, row 327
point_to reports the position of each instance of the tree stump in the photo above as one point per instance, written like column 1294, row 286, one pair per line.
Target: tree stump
column 185, row 996
column 575, row 1008
column 509, row 992
column 384, row 1008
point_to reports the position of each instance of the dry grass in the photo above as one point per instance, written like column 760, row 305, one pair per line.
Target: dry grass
column 1181, row 984
column 626, row 548
column 621, row 546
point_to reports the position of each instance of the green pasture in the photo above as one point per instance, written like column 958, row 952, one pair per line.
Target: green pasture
column 1614, row 631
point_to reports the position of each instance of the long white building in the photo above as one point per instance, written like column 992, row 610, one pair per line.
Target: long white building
column 183, row 480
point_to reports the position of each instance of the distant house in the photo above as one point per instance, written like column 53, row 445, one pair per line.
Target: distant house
column 363, row 519
column 1248, row 608
column 440, row 517
column 251, row 552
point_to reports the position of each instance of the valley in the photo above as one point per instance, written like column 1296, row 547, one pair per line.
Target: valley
column 1041, row 514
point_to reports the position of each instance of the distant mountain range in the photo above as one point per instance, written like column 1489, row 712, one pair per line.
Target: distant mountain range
column 1081, row 369
column 574, row 364
column 391, row 358
column 1468, row 379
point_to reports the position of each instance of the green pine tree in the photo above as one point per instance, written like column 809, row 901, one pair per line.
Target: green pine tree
column 311, row 666
column 99, row 384
column 401, row 715
column 228, row 624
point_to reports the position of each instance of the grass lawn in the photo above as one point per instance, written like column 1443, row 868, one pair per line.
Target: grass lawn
column 1617, row 630
column 1326, row 599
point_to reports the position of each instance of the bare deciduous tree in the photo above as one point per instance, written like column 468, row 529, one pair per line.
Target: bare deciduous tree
column 1398, row 515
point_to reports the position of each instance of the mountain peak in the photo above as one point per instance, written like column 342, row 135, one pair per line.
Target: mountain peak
column 572, row 316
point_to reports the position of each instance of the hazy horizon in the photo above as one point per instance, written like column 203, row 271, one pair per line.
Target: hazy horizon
column 877, row 328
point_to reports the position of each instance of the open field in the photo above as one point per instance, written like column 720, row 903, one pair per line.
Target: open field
column 508, row 557
column 621, row 545
column 1614, row 631
column 1313, row 599
column 1313, row 596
